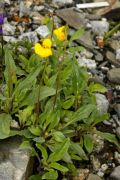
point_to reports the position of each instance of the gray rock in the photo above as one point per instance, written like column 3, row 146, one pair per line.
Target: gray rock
column 118, row 54
column 24, row 9
column 99, row 57
column 31, row 36
column 43, row 31
column 62, row 2
column 114, row 75
column 93, row 177
column 89, row 63
column 71, row 17
column 117, row 109
column 100, row 27
column 116, row 173
column 8, row 29
column 102, row 103
column 112, row 58
column 15, row 164
column 118, row 132
column 114, row 43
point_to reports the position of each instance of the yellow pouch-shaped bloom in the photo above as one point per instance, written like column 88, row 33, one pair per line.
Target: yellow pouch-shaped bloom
column 61, row 33
column 47, row 43
column 41, row 51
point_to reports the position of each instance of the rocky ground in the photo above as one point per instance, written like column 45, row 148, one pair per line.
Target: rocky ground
column 24, row 19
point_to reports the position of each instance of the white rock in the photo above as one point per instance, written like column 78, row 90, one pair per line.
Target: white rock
column 62, row 2
column 100, row 27
column 14, row 162
column 43, row 31
column 38, row 8
column 31, row 36
column 89, row 63
column 23, row 9
column 104, row 167
column 9, row 39
column 118, row 54
column 8, row 29
column 116, row 173
column 102, row 103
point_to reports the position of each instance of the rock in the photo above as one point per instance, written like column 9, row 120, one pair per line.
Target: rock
column 93, row 177
column 104, row 167
column 112, row 58
column 37, row 17
column 8, row 29
column 71, row 17
column 116, row 173
column 62, row 2
column 98, row 143
column 95, row 162
column 15, row 164
column 43, row 31
column 81, row 174
column 118, row 132
column 99, row 57
column 102, row 103
column 114, row 75
column 31, row 36
column 38, row 8
column 117, row 156
column 114, row 43
column 24, row 9
column 89, row 63
column 117, row 109
column 118, row 54
column 100, row 27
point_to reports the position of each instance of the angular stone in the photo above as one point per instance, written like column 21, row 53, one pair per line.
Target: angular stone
column 114, row 75
column 118, row 132
column 15, row 164
column 102, row 103
column 116, row 173
column 62, row 2
column 72, row 17
column 93, row 177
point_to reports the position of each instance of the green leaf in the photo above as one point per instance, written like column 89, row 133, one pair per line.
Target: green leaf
column 82, row 113
column 39, row 140
column 58, row 136
column 25, row 145
column 43, row 151
column 88, row 143
column 78, row 150
column 58, row 167
column 76, row 49
column 68, row 103
column 10, row 71
column 5, row 120
column 110, row 137
column 52, row 175
column 32, row 98
column 58, row 154
column 77, row 34
column 35, row 130
column 67, row 158
column 97, row 88
column 55, row 118
column 35, row 177
column 27, row 82
column 101, row 118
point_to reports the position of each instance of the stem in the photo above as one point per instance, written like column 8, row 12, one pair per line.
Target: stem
column 110, row 33
column 38, row 100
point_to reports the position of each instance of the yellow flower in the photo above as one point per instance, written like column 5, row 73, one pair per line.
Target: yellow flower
column 47, row 43
column 61, row 33
column 44, row 50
